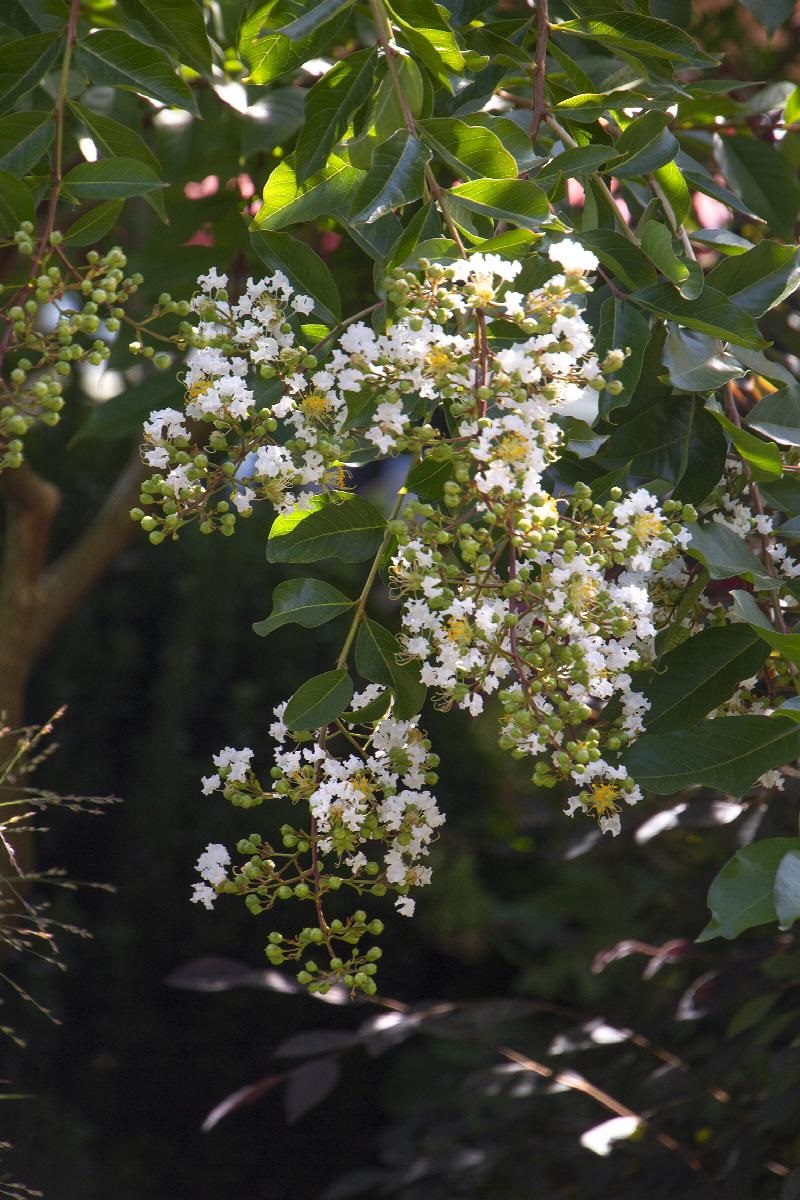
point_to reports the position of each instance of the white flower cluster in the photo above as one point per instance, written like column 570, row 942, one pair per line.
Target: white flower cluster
column 211, row 864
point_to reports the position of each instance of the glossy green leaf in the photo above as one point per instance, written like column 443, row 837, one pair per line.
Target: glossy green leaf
column 743, row 893
column 622, row 326
column 517, row 200
column 23, row 63
column 674, row 439
column 430, row 38
column 24, row 138
column 760, row 278
column 115, row 59
column 286, row 201
column 725, row 555
column 778, row 416
column 337, row 525
column 319, row 701
column 396, row 177
column 93, row 225
column 763, row 457
column 712, row 313
column 747, row 609
column 427, row 479
column 303, row 267
column 472, row 151
column 329, row 107
column 269, row 53
column 16, row 203
column 373, row 711
column 675, row 188
column 625, row 261
column 763, row 178
column 645, row 145
column 111, row 179
column 575, row 163
column 728, row 753
column 376, row 660
column 176, row 26
column 306, row 602
column 311, row 20
column 724, row 240
column 114, row 137
column 699, row 675
column 696, row 362
column 638, row 34
column 657, row 243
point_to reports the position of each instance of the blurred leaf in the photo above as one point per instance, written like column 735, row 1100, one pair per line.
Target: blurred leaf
column 338, row 525
column 726, row 555
column 329, row 106
column 24, row 138
column 315, row 1041
column 696, row 362
column 23, row 64
column 712, row 313
column 743, row 894
column 123, row 415
column 771, row 13
column 306, row 602
column 311, row 20
column 239, row 1099
column 697, row 676
column 778, row 416
column 110, row 178
column 16, row 203
column 115, row 59
column 746, row 609
column 395, row 177
column 305, row 270
column 319, row 700
column 376, row 659
column 787, row 889
column 93, row 225
column 764, row 180
column 307, row 1086
column 728, row 753
column 174, row 25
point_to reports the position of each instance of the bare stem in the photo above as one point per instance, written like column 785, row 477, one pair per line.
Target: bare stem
column 539, row 69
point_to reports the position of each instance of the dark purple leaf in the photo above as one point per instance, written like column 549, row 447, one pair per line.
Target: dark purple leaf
column 217, row 974
column 239, row 1099
column 315, row 1041
column 308, row 1085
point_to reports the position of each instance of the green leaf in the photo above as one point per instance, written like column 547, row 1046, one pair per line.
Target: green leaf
column 728, row 753
column 778, row 416
column 517, row 200
column 306, row 602
column 472, row 151
column 427, row 479
column 114, row 137
column 674, row 439
column 657, row 244
column 286, row 201
column 111, row 179
column 621, row 257
column 712, row 313
column 303, row 267
column 430, row 38
column 645, row 145
column 724, row 240
column 270, row 53
column 787, row 889
column 91, row 226
column 24, row 138
column 177, row 26
column 310, row 20
column 16, row 203
column 396, row 177
column 771, row 13
column 582, row 160
column 743, row 894
column 696, row 362
column 760, row 278
column 115, row 59
column 746, row 608
column 123, row 415
column 622, row 327
column 676, row 189
column 376, row 660
column 763, row 178
column 638, row 34
column 373, row 711
column 697, row 676
column 329, row 106
column 764, row 458
column 23, row 64
column 338, row 525
column 726, row 556
column 319, row 701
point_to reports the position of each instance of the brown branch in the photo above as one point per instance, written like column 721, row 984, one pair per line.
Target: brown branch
column 70, row 577
column 539, row 67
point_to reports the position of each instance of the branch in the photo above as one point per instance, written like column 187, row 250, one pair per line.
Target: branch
column 72, row 575
column 539, row 68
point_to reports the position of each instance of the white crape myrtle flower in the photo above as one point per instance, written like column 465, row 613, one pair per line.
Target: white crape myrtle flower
column 211, row 865
column 607, row 785
column 234, row 763
column 573, row 257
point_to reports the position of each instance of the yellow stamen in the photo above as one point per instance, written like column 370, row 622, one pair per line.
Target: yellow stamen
column 458, row 631
column 647, row 525
column 512, row 448
column 603, row 800
column 315, row 405
column 200, row 387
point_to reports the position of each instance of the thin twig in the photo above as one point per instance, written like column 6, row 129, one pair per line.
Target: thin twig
column 539, row 68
